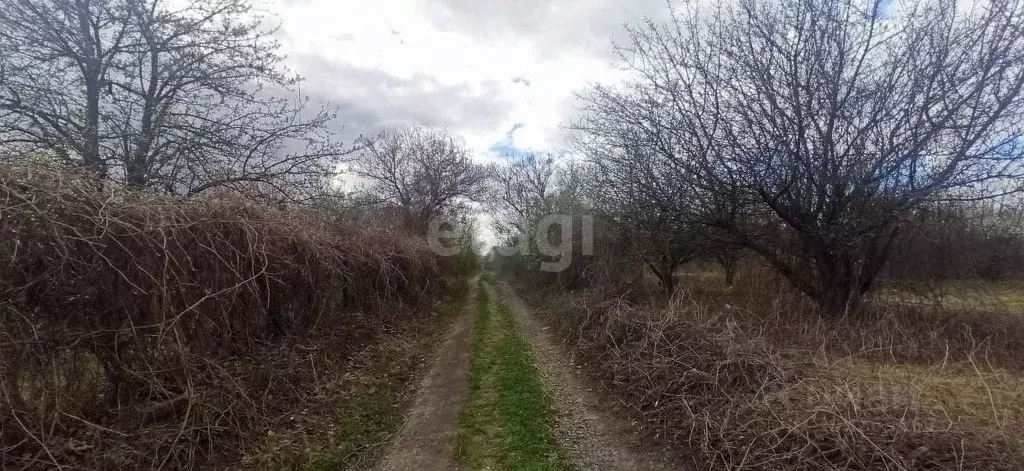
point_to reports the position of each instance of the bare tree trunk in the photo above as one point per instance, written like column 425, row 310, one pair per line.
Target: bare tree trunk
column 840, row 298
column 727, row 259
column 93, row 75
column 664, row 270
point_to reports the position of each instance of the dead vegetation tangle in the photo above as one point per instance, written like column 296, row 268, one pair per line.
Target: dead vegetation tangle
column 150, row 332
column 750, row 377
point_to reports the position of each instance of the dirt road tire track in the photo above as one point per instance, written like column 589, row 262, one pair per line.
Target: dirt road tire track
column 591, row 436
column 427, row 440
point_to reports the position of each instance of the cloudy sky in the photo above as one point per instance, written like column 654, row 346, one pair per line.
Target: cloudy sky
column 484, row 69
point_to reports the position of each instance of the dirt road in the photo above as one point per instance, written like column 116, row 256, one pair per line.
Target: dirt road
column 427, row 439
column 591, row 436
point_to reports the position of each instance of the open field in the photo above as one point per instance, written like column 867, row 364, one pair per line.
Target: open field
column 1003, row 297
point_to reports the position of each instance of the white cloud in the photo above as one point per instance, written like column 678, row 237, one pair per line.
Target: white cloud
column 402, row 39
column 479, row 68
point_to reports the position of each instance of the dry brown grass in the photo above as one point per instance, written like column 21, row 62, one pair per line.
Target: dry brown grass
column 750, row 377
column 360, row 406
column 147, row 332
column 1002, row 297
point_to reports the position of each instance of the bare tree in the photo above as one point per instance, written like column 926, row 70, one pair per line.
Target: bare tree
column 425, row 173
column 174, row 97
column 814, row 128
column 659, row 239
column 653, row 205
column 521, row 186
column 539, row 201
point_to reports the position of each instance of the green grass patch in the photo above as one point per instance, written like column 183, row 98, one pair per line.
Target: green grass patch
column 507, row 421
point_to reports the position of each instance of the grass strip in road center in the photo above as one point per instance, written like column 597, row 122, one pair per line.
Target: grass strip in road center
column 507, row 420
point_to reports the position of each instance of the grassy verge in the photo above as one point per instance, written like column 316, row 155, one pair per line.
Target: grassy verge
column 506, row 422
column 361, row 407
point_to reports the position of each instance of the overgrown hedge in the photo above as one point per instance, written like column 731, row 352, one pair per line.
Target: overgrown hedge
column 140, row 331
